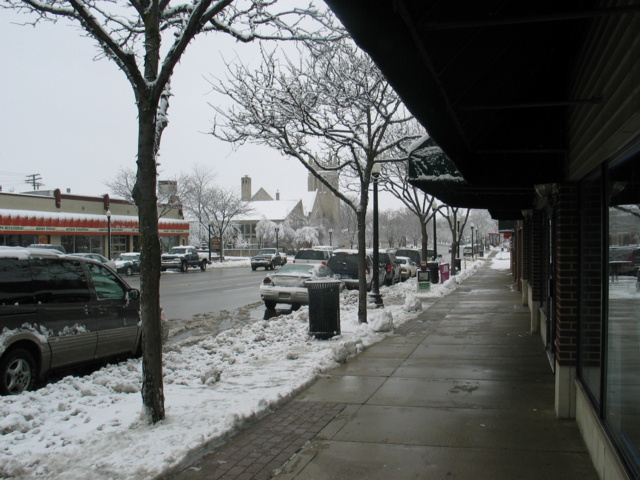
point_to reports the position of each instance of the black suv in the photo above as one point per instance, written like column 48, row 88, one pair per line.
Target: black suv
column 59, row 311
column 345, row 263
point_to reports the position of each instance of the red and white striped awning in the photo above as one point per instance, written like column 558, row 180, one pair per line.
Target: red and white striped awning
column 37, row 222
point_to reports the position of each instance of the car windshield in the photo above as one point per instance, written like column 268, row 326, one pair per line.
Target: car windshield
column 129, row 256
column 311, row 255
column 177, row 250
column 302, row 269
column 267, row 251
column 344, row 259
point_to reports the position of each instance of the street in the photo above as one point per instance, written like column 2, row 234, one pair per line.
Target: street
column 184, row 295
column 200, row 304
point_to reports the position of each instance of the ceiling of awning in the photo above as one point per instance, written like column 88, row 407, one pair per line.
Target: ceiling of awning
column 490, row 82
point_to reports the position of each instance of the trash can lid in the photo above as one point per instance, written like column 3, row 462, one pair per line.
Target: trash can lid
column 317, row 284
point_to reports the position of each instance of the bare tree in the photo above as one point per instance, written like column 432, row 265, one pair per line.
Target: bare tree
column 394, row 180
column 130, row 33
column 456, row 220
column 331, row 109
column 122, row 183
column 226, row 206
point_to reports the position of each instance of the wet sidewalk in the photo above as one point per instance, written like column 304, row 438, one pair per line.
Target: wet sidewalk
column 463, row 392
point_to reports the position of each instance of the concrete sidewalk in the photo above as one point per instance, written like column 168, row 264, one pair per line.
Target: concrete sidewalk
column 463, row 392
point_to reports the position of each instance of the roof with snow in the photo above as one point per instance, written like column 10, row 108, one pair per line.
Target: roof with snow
column 276, row 210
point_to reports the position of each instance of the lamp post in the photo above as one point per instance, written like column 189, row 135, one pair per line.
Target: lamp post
column 456, row 269
column 473, row 249
column 375, row 283
column 209, row 229
column 435, row 244
column 108, row 212
column 330, row 237
column 277, row 230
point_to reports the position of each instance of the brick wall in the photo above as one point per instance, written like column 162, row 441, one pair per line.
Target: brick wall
column 566, row 274
column 535, row 260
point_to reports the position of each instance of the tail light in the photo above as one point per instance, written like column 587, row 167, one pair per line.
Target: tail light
column 388, row 268
column 324, row 263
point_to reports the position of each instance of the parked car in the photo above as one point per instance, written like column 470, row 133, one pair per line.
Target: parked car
column 413, row 253
column 128, row 263
column 408, row 268
column 268, row 258
column 183, row 257
column 312, row 255
column 392, row 269
column 60, row 311
column 287, row 285
column 49, row 246
column 98, row 258
column 624, row 261
column 344, row 262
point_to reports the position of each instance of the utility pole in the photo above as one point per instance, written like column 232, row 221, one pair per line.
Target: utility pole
column 35, row 179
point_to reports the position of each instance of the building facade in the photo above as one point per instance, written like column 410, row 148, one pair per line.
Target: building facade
column 537, row 107
column 80, row 223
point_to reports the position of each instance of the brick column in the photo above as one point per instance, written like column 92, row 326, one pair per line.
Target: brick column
column 567, row 302
column 535, row 268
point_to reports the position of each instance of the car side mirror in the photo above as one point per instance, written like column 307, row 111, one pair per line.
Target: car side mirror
column 134, row 294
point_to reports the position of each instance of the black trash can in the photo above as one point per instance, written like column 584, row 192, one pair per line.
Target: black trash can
column 324, row 308
column 434, row 268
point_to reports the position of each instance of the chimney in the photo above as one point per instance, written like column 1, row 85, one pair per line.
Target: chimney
column 245, row 190
column 277, row 194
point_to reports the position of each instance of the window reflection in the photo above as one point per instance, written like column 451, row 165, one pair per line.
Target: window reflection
column 622, row 391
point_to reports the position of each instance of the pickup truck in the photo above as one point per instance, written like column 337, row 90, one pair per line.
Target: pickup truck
column 183, row 258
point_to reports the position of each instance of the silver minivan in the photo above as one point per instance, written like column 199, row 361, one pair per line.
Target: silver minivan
column 60, row 311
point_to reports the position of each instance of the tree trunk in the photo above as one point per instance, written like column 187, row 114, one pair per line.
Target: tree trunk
column 425, row 240
column 146, row 200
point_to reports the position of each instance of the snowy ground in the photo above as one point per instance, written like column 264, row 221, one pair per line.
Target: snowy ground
column 92, row 426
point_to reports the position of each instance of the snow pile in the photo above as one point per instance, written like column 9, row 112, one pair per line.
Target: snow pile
column 92, row 426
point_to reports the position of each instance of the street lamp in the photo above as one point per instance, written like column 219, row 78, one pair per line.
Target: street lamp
column 209, row 230
column 435, row 243
column 330, row 235
column 108, row 212
column 473, row 256
column 375, row 287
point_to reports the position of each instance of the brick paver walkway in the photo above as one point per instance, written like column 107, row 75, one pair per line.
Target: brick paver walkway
column 264, row 447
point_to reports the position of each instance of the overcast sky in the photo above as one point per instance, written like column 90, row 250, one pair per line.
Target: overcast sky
column 72, row 119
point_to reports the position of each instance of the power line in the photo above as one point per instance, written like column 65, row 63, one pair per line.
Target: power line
column 35, row 179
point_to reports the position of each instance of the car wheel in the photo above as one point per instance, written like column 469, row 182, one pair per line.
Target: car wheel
column 270, row 304
column 129, row 271
column 203, row 265
column 254, row 268
column 184, row 267
column 273, row 265
column 295, row 307
column 17, row 372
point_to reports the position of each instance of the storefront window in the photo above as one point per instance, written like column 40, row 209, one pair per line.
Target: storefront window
column 83, row 243
column 18, row 240
column 591, row 285
column 118, row 245
column 622, row 384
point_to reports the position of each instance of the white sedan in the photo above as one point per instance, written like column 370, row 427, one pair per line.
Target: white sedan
column 408, row 268
column 287, row 285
